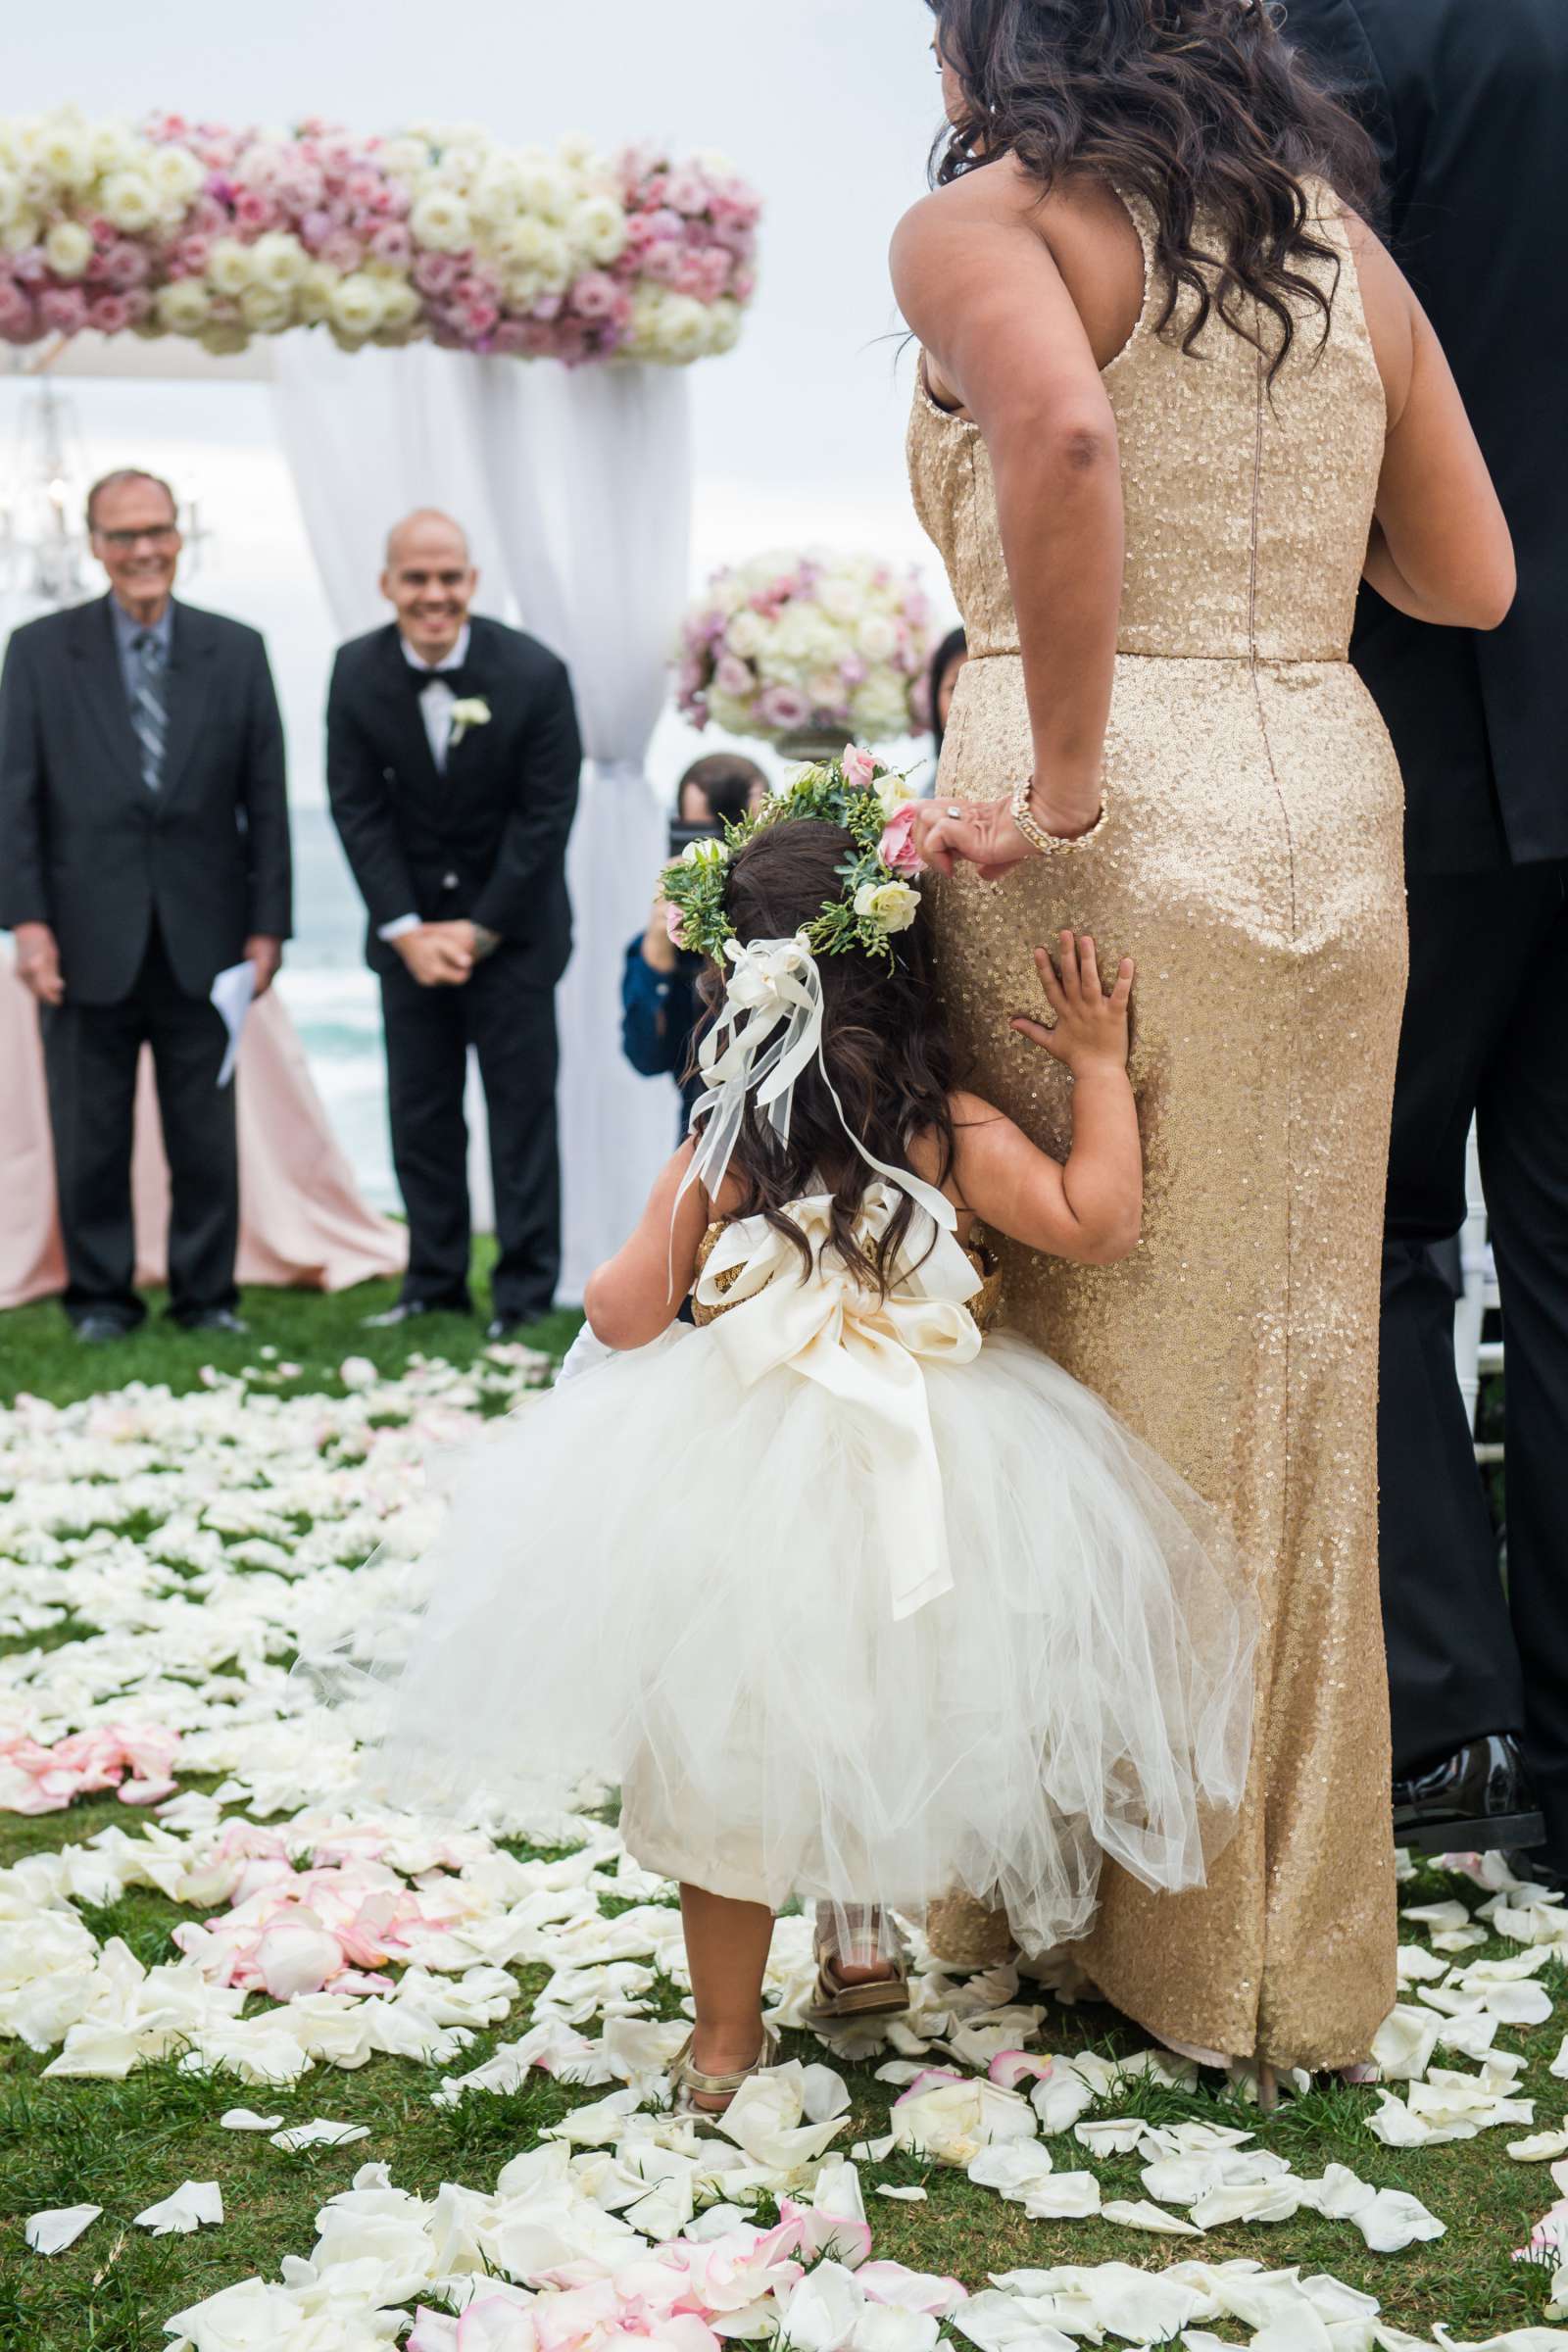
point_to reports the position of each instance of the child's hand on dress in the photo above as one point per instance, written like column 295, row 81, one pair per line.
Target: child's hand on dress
column 1089, row 1030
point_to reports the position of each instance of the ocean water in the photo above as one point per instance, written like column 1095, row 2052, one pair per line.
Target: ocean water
column 335, row 1003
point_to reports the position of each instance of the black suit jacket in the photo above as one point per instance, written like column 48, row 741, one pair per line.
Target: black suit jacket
column 488, row 839
column 86, row 848
column 1468, row 102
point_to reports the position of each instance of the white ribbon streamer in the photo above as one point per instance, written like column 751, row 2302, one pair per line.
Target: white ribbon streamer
column 770, row 1031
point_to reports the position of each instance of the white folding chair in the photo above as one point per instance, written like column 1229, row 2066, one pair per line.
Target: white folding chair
column 1474, row 1355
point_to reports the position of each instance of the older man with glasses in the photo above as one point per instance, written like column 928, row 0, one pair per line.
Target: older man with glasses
column 144, row 849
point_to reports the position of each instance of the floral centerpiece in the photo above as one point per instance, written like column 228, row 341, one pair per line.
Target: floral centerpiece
column 857, row 792
column 807, row 645
column 192, row 229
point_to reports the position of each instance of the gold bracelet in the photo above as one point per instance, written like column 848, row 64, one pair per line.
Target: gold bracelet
column 1051, row 845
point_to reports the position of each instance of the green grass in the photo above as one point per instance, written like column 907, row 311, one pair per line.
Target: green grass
column 125, row 2144
column 41, row 1356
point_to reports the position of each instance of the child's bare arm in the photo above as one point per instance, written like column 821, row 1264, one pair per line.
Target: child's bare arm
column 1091, row 1209
column 637, row 1293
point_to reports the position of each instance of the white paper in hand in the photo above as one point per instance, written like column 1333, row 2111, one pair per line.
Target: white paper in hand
column 231, row 994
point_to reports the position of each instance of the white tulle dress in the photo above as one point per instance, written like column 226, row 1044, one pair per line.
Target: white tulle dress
column 854, row 1602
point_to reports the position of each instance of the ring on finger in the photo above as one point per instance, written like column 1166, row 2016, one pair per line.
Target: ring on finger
column 955, row 813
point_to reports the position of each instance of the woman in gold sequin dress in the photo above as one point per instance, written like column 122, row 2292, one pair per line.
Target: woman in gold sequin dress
column 1174, row 400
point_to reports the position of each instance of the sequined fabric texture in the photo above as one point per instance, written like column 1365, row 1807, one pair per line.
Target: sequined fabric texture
column 1252, row 864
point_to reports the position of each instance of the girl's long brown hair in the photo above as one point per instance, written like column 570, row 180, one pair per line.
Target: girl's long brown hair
column 886, row 1048
column 1199, row 107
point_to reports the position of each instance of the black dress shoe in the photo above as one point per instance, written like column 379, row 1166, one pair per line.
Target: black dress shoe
column 409, row 1310
column 1537, row 1868
column 96, row 1328
column 1476, row 1799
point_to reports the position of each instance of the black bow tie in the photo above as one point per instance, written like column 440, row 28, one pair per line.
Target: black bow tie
column 461, row 680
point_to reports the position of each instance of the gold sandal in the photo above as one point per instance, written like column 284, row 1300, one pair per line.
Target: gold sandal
column 833, row 2002
column 690, row 2079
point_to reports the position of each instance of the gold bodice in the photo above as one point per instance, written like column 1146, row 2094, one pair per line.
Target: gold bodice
column 1247, row 520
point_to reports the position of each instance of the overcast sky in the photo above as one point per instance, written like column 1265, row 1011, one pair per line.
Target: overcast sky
column 828, row 106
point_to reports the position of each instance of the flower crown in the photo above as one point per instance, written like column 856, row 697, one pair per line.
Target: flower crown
column 856, row 792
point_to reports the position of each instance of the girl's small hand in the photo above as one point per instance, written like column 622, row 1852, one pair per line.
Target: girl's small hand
column 1089, row 1030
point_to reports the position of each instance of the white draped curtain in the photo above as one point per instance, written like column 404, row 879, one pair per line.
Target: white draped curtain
column 575, row 492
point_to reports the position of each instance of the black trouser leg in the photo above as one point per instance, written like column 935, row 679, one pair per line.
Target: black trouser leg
column 90, row 1055
column 512, row 1024
column 1524, row 1163
column 426, row 1065
column 1453, row 1669
column 188, row 1040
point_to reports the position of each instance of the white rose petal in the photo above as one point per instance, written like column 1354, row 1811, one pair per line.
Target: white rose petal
column 901, row 2196
column 320, row 2134
column 192, row 2205
column 58, row 2227
column 246, row 2119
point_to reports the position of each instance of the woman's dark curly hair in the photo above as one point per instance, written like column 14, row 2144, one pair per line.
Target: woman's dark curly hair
column 886, row 1048
column 1199, row 107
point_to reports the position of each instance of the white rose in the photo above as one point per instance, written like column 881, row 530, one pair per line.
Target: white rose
column 266, row 309
column 881, row 707
column 890, row 906
column 175, row 174
column 64, row 152
column 68, row 248
column 527, row 244
column 314, row 294
column 723, row 324
column 577, row 151
column 441, row 220
column 733, row 714
column 403, row 158
column 222, row 339
column 19, row 233
column 746, row 634
column 401, row 306
column 184, row 307
column 278, row 260
column 356, row 305
column 498, row 197
column 878, row 638
column 229, row 266
column 112, row 146
column 711, row 852
column 547, row 189
column 891, row 794
column 130, row 200
column 839, row 599
column 599, row 229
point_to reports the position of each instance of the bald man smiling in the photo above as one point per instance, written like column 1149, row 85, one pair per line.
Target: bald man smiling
column 452, row 766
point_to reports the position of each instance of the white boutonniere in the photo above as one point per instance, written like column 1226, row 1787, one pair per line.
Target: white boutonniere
column 471, row 711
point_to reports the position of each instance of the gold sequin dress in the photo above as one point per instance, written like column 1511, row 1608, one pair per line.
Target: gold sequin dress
column 1252, row 863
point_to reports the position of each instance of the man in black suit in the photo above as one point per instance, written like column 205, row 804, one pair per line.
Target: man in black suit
column 452, row 766
column 143, row 849
column 1468, row 100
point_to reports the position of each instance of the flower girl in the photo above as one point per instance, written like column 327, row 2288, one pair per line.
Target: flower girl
column 860, row 1600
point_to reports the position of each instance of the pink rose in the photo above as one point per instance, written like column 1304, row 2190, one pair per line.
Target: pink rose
column 675, row 926
column 595, row 295
column 897, row 849
column 255, row 212
column 191, row 255
column 662, row 259
column 64, row 310
column 784, row 708
column 29, row 268
column 110, row 315
column 340, row 251
column 436, row 274
column 858, row 765
column 732, row 677
column 139, row 305
column 391, row 243
column 19, row 322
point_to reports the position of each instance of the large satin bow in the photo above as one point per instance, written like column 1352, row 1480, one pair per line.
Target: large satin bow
column 829, row 1327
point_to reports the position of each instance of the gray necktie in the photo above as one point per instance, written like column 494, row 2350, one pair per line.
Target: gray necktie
column 148, row 712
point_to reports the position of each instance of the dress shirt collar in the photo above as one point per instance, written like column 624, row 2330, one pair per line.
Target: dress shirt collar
column 127, row 629
column 453, row 661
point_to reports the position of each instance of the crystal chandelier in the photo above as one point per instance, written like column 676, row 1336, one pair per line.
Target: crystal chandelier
column 45, row 561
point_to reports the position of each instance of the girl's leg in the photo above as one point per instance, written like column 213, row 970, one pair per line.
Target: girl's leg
column 727, row 1951
column 851, row 1941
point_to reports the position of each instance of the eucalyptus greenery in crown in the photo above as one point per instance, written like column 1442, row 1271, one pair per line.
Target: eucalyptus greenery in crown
column 870, row 801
